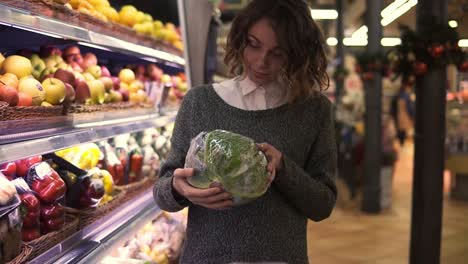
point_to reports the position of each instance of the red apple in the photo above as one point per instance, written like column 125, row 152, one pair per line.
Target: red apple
column 82, row 92
column 76, row 66
column 9, row 94
column 116, row 82
column 65, row 76
column 48, row 50
column 108, row 83
column 70, row 93
column 89, row 59
column 24, row 99
column 105, row 71
column 125, row 95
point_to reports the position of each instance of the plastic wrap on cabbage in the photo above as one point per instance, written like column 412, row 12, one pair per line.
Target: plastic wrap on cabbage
column 230, row 159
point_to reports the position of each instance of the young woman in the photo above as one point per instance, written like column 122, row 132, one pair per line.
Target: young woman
column 277, row 49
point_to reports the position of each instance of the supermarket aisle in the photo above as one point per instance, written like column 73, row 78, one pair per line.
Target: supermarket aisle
column 351, row 236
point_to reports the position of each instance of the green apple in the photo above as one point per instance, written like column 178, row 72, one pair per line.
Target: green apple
column 95, row 70
column 97, row 91
column 55, row 90
column 62, row 65
column 32, row 87
column 115, row 96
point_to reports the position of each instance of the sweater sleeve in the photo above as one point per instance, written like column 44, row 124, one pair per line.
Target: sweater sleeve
column 165, row 195
column 312, row 189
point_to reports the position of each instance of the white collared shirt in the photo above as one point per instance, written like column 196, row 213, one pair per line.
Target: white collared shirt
column 243, row 93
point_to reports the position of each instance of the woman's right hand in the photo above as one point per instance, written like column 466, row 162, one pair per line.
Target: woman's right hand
column 214, row 197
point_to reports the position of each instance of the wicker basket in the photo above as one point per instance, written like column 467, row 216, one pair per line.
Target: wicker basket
column 133, row 189
column 31, row 112
column 14, row 3
column 3, row 110
column 94, row 24
column 43, row 243
column 89, row 216
column 25, row 253
column 39, row 7
column 80, row 108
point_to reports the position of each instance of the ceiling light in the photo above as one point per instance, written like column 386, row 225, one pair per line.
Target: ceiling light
column 324, row 14
column 392, row 7
column 355, row 41
column 463, row 43
column 332, row 41
column 390, row 42
column 360, row 32
column 453, row 23
column 399, row 12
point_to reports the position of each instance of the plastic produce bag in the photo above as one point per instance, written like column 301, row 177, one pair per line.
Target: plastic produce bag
column 31, row 210
column 230, row 159
column 10, row 221
column 46, row 182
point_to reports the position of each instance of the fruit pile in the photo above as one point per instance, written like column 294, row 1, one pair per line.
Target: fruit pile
column 159, row 241
column 55, row 77
column 128, row 15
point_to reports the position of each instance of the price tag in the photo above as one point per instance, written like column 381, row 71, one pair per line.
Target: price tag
column 57, row 142
column 42, row 169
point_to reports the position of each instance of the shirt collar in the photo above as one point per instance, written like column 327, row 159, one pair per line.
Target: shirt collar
column 248, row 86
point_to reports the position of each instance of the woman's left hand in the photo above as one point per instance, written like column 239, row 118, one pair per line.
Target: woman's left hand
column 274, row 157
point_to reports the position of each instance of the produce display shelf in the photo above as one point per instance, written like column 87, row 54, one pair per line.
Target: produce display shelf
column 18, row 18
column 100, row 129
column 95, row 240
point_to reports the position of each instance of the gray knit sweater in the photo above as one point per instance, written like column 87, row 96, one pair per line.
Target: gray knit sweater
column 272, row 228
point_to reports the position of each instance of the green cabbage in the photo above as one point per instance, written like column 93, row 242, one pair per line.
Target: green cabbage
column 230, row 159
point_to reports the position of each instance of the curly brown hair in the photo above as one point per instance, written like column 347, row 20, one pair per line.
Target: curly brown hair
column 298, row 35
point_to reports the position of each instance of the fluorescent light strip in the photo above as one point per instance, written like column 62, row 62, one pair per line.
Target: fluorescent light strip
column 324, row 14
column 463, row 43
column 355, row 41
column 392, row 7
column 93, row 46
column 399, row 12
column 390, row 42
column 360, row 32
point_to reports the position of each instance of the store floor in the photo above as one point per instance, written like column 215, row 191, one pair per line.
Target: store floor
column 350, row 236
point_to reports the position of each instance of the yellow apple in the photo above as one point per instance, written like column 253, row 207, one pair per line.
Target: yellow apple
column 9, row 79
column 135, row 86
column 2, row 58
column 97, row 91
column 34, row 88
column 95, row 70
column 45, row 103
column 18, row 65
column 127, row 76
column 88, row 76
column 55, row 90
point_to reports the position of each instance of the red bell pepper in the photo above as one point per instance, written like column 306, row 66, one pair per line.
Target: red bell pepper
column 136, row 164
column 31, row 220
column 46, row 182
column 31, row 202
column 52, row 211
column 28, row 234
column 23, row 166
column 9, row 170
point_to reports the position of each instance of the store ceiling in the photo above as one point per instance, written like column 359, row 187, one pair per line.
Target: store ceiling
column 354, row 15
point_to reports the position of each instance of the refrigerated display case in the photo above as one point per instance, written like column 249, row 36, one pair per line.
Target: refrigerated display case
column 26, row 26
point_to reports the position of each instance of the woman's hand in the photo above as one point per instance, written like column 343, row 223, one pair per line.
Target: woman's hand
column 214, row 197
column 274, row 157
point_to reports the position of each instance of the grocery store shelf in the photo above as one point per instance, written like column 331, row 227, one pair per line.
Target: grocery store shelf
column 87, row 245
column 101, row 128
column 23, row 19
